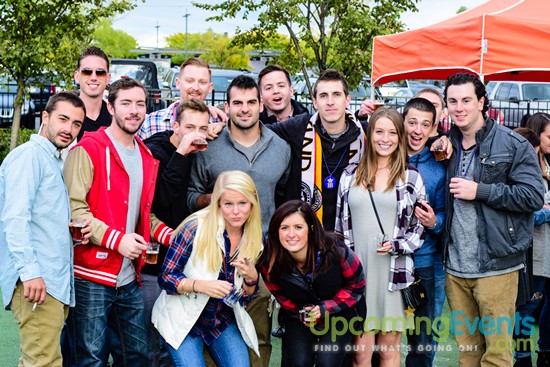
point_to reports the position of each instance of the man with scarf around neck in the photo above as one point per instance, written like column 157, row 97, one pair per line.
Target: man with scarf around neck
column 322, row 145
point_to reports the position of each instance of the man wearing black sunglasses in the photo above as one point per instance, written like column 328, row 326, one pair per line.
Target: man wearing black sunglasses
column 92, row 74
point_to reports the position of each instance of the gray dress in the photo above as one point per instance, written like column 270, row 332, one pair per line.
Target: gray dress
column 384, row 308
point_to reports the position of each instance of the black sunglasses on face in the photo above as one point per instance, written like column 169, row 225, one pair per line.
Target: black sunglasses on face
column 98, row 72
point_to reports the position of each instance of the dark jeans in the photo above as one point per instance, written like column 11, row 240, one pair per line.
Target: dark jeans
column 302, row 348
column 525, row 319
column 157, row 353
column 107, row 319
column 420, row 339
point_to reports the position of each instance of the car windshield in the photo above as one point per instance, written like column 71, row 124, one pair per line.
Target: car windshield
column 139, row 72
column 221, row 82
column 536, row 92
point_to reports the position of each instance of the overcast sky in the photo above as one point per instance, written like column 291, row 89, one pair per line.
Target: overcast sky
column 169, row 15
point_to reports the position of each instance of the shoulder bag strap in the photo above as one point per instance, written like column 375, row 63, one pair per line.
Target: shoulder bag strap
column 375, row 211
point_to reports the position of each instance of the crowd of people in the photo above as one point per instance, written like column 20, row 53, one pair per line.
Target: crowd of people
column 331, row 215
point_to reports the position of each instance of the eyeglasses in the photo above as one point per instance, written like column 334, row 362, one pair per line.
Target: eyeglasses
column 98, row 72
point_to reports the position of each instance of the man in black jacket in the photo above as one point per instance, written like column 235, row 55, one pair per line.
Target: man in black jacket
column 494, row 186
column 174, row 150
column 277, row 91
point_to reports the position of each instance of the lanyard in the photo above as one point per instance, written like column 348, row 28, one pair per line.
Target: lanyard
column 330, row 182
column 460, row 156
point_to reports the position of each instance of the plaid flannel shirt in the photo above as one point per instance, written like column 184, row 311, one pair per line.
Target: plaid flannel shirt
column 351, row 292
column 216, row 315
column 408, row 232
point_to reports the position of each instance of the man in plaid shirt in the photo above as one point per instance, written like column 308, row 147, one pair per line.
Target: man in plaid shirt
column 193, row 82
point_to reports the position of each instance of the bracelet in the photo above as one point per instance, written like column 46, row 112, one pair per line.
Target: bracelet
column 251, row 284
column 193, row 287
column 183, row 285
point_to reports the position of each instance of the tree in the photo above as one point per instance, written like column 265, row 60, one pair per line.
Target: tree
column 114, row 42
column 340, row 33
column 461, row 9
column 42, row 38
column 216, row 49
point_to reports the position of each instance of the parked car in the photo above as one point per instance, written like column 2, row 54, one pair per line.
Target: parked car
column 143, row 70
column 40, row 90
column 404, row 94
column 515, row 99
column 8, row 90
column 221, row 78
column 169, row 91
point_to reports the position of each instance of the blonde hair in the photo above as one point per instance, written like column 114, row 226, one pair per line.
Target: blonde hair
column 366, row 171
column 205, row 246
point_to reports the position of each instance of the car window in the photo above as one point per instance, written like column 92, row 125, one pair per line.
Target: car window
column 142, row 73
column 514, row 92
column 536, row 91
column 221, row 82
column 503, row 92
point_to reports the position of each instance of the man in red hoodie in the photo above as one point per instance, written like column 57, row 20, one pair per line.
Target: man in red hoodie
column 110, row 176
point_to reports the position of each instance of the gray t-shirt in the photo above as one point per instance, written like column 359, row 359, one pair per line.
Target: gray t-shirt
column 463, row 256
column 131, row 159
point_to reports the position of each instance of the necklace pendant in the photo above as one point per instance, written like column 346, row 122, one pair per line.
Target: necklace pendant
column 329, row 182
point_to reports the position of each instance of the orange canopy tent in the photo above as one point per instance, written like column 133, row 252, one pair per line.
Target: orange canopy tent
column 497, row 40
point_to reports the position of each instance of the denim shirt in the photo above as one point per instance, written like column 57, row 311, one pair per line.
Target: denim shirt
column 34, row 221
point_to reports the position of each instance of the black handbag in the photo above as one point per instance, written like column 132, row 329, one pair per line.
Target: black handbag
column 414, row 296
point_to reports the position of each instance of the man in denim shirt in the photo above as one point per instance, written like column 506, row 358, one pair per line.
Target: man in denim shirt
column 36, row 266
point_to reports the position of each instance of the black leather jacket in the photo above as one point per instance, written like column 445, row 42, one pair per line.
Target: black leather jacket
column 509, row 190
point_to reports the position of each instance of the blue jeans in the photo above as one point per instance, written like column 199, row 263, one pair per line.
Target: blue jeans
column 107, row 319
column 228, row 350
column 156, row 351
column 524, row 323
column 420, row 339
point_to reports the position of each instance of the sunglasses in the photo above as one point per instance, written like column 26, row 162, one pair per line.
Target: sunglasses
column 98, row 72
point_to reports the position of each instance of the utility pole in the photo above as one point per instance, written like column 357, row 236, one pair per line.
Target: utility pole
column 157, row 27
column 186, row 16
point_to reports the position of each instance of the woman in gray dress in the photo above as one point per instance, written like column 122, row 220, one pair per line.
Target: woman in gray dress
column 382, row 180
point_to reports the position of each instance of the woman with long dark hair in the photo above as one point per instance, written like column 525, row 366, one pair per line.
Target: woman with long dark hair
column 539, row 123
column 315, row 278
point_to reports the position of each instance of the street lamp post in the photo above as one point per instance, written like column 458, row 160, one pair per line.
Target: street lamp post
column 186, row 16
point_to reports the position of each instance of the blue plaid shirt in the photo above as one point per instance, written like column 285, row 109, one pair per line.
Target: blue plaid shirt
column 216, row 315
column 161, row 120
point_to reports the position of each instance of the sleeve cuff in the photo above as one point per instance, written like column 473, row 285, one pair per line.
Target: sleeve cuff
column 29, row 272
column 112, row 239
column 483, row 191
column 163, row 234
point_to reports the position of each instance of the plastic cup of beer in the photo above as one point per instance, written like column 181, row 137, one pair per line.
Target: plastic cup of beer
column 200, row 144
column 378, row 103
column 233, row 297
column 439, row 153
column 421, row 201
column 152, row 252
column 306, row 314
column 76, row 230
column 381, row 238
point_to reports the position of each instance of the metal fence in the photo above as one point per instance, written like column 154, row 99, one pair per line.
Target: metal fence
column 509, row 113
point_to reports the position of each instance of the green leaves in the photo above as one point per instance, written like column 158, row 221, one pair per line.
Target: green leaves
column 45, row 37
column 321, row 33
